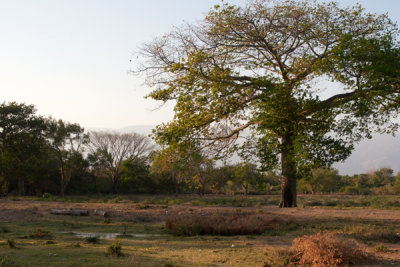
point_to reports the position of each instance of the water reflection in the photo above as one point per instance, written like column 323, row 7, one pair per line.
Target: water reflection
column 108, row 235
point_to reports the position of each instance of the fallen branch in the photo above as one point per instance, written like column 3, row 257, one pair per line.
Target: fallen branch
column 72, row 212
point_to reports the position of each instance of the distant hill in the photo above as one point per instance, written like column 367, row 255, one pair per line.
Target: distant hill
column 380, row 151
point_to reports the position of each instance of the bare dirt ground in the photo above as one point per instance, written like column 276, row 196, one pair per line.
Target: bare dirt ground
column 14, row 210
column 34, row 210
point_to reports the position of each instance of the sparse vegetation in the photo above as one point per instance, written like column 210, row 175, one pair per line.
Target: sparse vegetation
column 242, row 223
column 115, row 249
column 200, row 235
column 10, row 243
column 40, row 233
column 2, row 261
column 92, row 239
column 381, row 248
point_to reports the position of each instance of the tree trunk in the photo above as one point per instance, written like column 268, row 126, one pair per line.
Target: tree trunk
column 289, row 182
column 114, row 185
column 21, row 187
column 288, row 198
column 62, row 180
column 176, row 188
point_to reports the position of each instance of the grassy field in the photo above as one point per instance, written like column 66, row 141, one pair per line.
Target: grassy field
column 31, row 236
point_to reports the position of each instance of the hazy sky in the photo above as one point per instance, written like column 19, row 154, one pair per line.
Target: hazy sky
column 70, row 58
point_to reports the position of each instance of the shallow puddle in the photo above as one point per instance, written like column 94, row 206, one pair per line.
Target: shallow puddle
column 108, row 235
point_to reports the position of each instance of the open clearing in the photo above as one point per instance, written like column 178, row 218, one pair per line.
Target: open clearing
column 44, row 239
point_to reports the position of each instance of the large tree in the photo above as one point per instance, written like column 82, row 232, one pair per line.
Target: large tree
column 21, row 143
column 110, row 149
column 66, row 141
column 264, row 69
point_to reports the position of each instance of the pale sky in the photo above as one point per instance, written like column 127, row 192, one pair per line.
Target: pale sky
column 70, row 58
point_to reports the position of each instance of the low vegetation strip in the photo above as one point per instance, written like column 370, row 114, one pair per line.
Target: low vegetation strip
column 241, row 223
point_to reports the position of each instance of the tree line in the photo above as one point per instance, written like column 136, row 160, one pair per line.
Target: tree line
column 47, row 156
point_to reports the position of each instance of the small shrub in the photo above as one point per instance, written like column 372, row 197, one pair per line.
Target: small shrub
column 46, row 195
column 40, row 233
column 10, row 243
column 380, row 236
column 325, row 249
column 2, row 260
column 4, row 230
column 92, row 239
column 115, row 200
column 140, row 206
column 174, row 201
column 75, row 245
column 381, row 248
column 107, row 221
column 279, row 258
column 314, row 204
column 48, row 242
column 331, row 203
column 115, row 249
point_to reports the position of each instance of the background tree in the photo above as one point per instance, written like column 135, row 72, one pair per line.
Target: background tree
column 381, row 177
column 136, row 177
column 246, row 175
column 325, row 180
column 172, row 163
column 260, row 68
column 110, row 150
column 21, row 143
column 66, row 142
column 202, row 170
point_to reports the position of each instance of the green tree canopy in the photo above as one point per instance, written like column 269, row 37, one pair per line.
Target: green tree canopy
column 21, row 142
column 262, row 68
column 66, row 141
column 108, row 150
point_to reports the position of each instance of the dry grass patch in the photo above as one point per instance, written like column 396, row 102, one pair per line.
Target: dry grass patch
column 242, row 223
column 327, row 249
column 40, row 233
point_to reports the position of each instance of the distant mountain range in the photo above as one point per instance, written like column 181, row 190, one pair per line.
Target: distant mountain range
column 369, row 154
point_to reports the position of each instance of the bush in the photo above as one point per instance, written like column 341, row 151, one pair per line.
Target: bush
column 10, row 243
column 46, row 195
column 4, row 230
column 115, row 249
column 381, row 248
column 326, row 249
column 39, row 233
column 140, row 206
column 2, row 260
column 222, row 224
column 92, row 239
column 279, row 258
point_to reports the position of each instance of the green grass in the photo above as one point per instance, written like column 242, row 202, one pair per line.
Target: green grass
column 50, row 240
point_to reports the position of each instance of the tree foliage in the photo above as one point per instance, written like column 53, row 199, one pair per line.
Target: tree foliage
column 262, row 68
column 66, row 141
column 21, row 143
